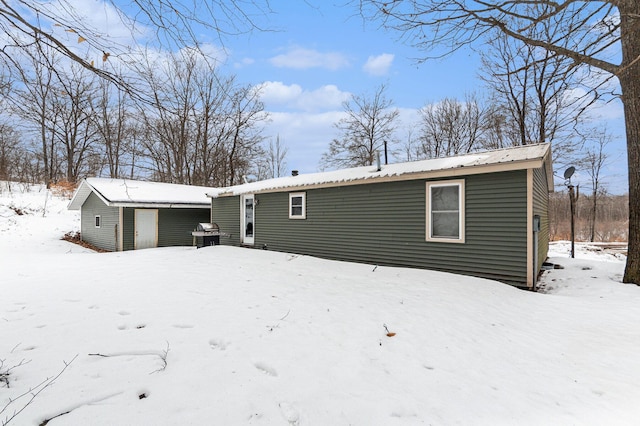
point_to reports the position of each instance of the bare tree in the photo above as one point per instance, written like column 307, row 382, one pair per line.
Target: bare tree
column 450, row 127
column 409, row 145
column 594, row 160
column 587, row 32
column 88, row 38
column 370, row 122
column 532, row 89
column 246, row 117
column 169, row 124
column 211, row 127
column 203, row 128
column 612, row 215
column 275, row 161
column 32, row 101
column 499, row 130
column 113, row 120
column 75, row 130
column 10, row 152
column 5, row 79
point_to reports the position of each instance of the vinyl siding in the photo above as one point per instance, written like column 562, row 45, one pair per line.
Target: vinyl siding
column 105, row 236
column 175, row 225
column 541, row 208
column 226, row 213
column 128, row 228
column 384, row 223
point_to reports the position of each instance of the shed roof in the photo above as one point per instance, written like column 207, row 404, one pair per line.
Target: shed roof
column 134, row 193
column 515, row 158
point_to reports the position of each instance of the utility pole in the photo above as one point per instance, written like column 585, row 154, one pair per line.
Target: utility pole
column 573, row 197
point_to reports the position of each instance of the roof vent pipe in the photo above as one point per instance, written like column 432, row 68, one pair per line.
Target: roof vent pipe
column 294, row 173
column 378, row 161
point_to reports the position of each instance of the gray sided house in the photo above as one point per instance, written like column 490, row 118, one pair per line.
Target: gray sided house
column 120, row 214
column 483, row 214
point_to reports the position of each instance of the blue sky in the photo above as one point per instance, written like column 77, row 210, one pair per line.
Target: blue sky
column 317, row 57
column 317, row 54
column 318, row 45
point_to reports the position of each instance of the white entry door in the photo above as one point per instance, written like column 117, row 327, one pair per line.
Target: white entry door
column 146, row 228
column 247, row 216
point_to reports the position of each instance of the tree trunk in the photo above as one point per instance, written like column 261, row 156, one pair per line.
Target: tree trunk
column 630, row 84
column 45, row 156
column 594, row 210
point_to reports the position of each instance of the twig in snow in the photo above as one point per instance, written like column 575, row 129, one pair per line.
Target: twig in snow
column 5, row 372
column 273, row 327
column 31, row 394
column 46, row 421
column 163, row 358
column 286, row 315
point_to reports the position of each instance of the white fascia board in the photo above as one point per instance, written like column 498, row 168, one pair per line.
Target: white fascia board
column 160, row 205
column 82, row 193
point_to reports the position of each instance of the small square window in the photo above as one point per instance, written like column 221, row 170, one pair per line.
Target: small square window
column 297, row 208
column 98, row 221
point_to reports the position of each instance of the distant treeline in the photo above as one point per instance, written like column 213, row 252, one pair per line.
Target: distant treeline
column 611, row 218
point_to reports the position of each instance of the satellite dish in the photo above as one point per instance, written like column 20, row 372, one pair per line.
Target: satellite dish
column 569, row 172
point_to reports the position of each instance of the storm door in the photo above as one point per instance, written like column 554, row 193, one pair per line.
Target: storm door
column 247, row 219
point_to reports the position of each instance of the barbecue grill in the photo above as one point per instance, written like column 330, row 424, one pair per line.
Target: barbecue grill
column 207, row 234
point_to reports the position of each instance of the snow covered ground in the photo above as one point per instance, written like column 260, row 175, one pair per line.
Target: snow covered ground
column 230, row 336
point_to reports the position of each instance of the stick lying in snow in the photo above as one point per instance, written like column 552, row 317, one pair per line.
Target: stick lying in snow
column 75, row 407
column 162, row 355
column 286, row 315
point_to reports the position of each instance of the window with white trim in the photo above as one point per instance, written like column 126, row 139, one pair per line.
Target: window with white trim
column 297, row 205
column 445, row 211
column 97, row 221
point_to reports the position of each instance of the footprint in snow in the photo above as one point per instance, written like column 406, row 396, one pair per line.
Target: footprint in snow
column 290, row 413
column 266, row 369
column 182, row 326
column 218, row 344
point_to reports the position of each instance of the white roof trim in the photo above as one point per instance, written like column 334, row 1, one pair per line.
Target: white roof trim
column 514, row 158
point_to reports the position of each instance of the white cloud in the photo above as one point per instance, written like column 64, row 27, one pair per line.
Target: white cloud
column 279, row 93
column 378, row 65
column 276, row 93
column 94, row 17
column 244, row 62
column 301, row 58
column 306, row 135
column 328, row 96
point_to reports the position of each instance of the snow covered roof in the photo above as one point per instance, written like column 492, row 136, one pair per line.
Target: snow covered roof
column 516, row 158
column 133, row 193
